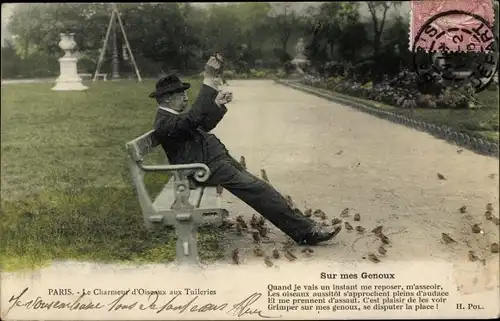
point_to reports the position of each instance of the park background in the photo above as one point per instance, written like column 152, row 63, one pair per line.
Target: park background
column 64, row 202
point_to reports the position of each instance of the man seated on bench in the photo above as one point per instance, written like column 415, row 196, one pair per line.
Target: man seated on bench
column 184, row 135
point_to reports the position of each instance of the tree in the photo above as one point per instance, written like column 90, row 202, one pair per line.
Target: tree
column 375, row 7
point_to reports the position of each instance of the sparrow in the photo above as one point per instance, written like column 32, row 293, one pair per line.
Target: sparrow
column 472, row 256
column 373, row 258
column 239, row 228
column 494, row 248
column 289, row 256
column 322, row 215
column 348, row 226
column 235, row 255
column 476, row 228
column 318, row 213
column 276, row 253
column 460, row 151
column 463, row 209
column 242, row 222
column 308, row 212
column 383, row 238
column 382, row 250
column 264, row 175
column 258, row 251
column 339, row 152
column 288, row 244
column 360, row 229
column 488, row 215
column 441, row 176
column 254, row 223
column 489, row 207
column 345, row 212
column 227, row 224
column 243, row 162
column 256, row 236
column 377, row 230
column 261, row 221
column 268, row 261
column 357, row 217
column 447, row 239
column 262, row 231
column 219, row 189
column 290, row 201
column 336, row 221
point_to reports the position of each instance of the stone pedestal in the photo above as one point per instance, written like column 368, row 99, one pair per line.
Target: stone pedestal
column 68, row 79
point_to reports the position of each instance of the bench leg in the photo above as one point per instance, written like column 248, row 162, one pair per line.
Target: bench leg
column 187, row 247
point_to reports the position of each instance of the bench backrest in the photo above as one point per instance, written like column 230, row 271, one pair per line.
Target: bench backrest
column 141, row 146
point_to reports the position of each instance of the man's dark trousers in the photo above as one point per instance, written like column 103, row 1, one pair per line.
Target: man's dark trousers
column 259, row 195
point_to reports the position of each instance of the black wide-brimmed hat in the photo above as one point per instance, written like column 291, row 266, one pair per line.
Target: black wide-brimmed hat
column 169, row 84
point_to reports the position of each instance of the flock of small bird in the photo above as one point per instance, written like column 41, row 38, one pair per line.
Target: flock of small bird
column 476, row 229
column 260, row 231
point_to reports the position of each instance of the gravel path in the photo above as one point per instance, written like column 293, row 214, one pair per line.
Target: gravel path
column 334, row 157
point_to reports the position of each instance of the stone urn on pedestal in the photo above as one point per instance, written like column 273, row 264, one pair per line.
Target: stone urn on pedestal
column 300, row 62
column 68, row 79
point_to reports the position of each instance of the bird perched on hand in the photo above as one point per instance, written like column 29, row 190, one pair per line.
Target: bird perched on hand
column 319, row 213
column 258, row 251
column 243, row 162
column 348, row 226
column 357, row 217
column 264, row 175
column 447, row 239
column 336, row 221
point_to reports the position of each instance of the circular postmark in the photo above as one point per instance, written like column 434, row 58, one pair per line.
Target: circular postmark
column 456, row 55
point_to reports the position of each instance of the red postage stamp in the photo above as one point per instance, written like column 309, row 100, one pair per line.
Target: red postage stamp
column 452, row 25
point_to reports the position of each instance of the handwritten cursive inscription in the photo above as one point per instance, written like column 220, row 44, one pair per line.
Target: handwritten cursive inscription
column 125, row 302
column 243, row 308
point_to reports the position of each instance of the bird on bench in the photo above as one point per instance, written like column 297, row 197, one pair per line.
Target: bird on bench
column 184, row 134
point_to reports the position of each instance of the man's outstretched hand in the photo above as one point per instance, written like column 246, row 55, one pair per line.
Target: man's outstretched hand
column 223, row 97
column 213, row 67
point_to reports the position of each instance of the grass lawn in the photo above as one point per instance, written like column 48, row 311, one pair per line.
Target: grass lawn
column 66, row 190
column 481, row 123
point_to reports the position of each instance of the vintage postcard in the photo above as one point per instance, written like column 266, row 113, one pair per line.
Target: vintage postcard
column 258, row 160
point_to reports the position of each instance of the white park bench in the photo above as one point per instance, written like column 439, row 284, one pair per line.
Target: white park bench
column 179, row 204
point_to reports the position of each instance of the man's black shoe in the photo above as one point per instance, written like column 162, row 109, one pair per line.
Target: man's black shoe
column 319, row 234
